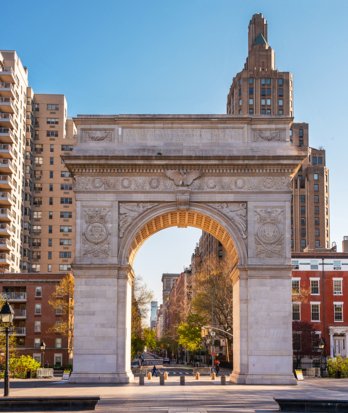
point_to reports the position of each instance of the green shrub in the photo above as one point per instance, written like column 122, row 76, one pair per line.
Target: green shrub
column 21, row 367
column 338, row 367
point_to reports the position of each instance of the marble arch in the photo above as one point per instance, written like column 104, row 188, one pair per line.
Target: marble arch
column 231, row 176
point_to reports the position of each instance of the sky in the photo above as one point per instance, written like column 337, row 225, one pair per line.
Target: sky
column 179, row 56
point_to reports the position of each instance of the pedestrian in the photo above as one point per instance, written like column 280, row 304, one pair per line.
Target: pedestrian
column 155, row 371
column 217, row 366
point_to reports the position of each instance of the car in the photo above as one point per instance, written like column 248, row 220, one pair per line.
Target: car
column 166, row 360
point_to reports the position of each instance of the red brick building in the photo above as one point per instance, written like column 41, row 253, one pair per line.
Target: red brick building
column 28, row 295
column 320, row 297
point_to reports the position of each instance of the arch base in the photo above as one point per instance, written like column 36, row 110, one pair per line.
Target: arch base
column 238, row 378
column 120, row 378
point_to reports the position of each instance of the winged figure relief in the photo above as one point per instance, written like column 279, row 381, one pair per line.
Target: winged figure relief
column 182, row 178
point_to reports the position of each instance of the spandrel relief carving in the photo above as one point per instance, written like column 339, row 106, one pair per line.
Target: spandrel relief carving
column 129, row 211
column 96, row 135
column 96, row 234
column 237, row 213
column 269, row 235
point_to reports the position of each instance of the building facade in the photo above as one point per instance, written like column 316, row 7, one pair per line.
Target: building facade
column 261, row 90
column 34, row 317
column 320, row 298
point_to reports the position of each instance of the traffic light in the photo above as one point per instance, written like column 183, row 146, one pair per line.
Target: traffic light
column 204, row 332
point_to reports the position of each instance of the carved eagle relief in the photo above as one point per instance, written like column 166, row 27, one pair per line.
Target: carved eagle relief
column 182, row 178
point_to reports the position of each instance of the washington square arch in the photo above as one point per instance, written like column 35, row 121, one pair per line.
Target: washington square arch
column 229, row 175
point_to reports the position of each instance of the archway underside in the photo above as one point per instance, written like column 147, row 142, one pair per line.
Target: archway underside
column 184, row 219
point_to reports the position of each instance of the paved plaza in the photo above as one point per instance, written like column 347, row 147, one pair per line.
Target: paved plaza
column 201, row 396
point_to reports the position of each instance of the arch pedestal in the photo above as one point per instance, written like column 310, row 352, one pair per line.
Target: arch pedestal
column 230, row 177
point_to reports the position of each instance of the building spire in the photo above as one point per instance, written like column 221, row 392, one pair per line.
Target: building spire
column 257, row 31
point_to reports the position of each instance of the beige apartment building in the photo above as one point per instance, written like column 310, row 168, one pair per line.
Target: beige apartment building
column 53, row 223
column 13, row 126
column 261, row 90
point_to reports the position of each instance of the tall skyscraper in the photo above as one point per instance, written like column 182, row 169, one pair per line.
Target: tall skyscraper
column 260, row 90
column 13, row 126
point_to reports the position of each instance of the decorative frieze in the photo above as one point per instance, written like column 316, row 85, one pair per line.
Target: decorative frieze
column 96, row 135
column 182, row 177
column 269, row 232
column 96, row 234
column 269, row 135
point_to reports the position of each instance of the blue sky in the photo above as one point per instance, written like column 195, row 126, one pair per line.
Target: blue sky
column 179, row 56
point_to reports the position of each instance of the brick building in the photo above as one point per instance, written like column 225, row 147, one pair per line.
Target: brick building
column 320, row 297
column 28, row 295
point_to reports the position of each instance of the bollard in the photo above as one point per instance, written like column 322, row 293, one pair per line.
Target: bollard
column 149, row 375
column 197, row 375
column 162, row 379
column 141, row 380
column 165, row 374
column 182, row 380
column 213, row 375
column 223, row 379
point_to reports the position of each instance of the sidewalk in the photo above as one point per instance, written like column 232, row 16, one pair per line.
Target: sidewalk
column 201, row 396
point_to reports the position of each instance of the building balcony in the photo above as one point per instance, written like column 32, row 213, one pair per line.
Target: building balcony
column 5, row 215
column 7, row 105
column 6, row 150
column 16, row 295
column 6, row 166
column 6, row 89
column 6, row 135
column 5, row 182
column 4, row 230
column 20, row 331
column 6, row 119
column 7, row 74
column 20, row 314
column 5, row 199
column 4, row 260
column 5, row 245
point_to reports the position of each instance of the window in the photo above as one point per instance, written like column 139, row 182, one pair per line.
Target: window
column 251, row 101
column 316, row 198
column 58, row 360
column 303, row 243
column 280, row 92
column 58, row 343
column 52, row 106
column 303, row 210
column 338, row 312
column 314, row 282
column 303, row 199
column 315, row 311
column 50, row 214
column 52, row 121
column 52, row 134
column 316, row 177
column 65, row 214
column 280, row 81
column 37, row 326
column 36, row 242
column 280, row 102
column 35, row 267
column 51, row 160
column 65, row 241
column 337, row 286
column 296, row 341
column 38, row 148
column 66, row 148
column 37, row 214
column 251, row 80
column 64, row 254
column 316, row 187
column 65, row 228
column 303, row 221
column 296, row 311
column 314, row 265
column 49, row 255
column 265, row 81
column 38, row 309
column 38, row 291
column 37, row 229
column 38, row 160
column 50, row 201
column 50, row 187
column 317, row 232
column 66, row 201
column 65, row 187
column 50, row 229
column 37, row 201
column 50, row 242
column 64, row 267
column 65, row 174
column 37, row 342
column 37, row 187
column 336, row 265
column 316, row 210
column 49, row 268
column 295, row 264
column 295, row 286
column 37, row 357
column 51, row 174
column 317, row 243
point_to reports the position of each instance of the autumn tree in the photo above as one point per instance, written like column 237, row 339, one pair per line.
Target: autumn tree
column 213, row 295
column 62, row 301
column 141, row 298
column 305, row 341
column 190, row 332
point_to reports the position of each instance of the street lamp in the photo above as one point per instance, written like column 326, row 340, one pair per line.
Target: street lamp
column 212, row 333
column 321, row 347
column 6, row 319
column 43, row 348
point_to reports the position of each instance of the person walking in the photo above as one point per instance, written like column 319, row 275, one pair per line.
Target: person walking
column 155, row 371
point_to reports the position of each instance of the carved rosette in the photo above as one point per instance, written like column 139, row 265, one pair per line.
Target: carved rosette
column 236, row 212
column 129, row 211
column 269, row 235
column 96, row 235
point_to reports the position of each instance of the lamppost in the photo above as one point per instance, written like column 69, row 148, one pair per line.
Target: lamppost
column 321, row 348
column 6, row 319
column 212, row 334
column 43, row 348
